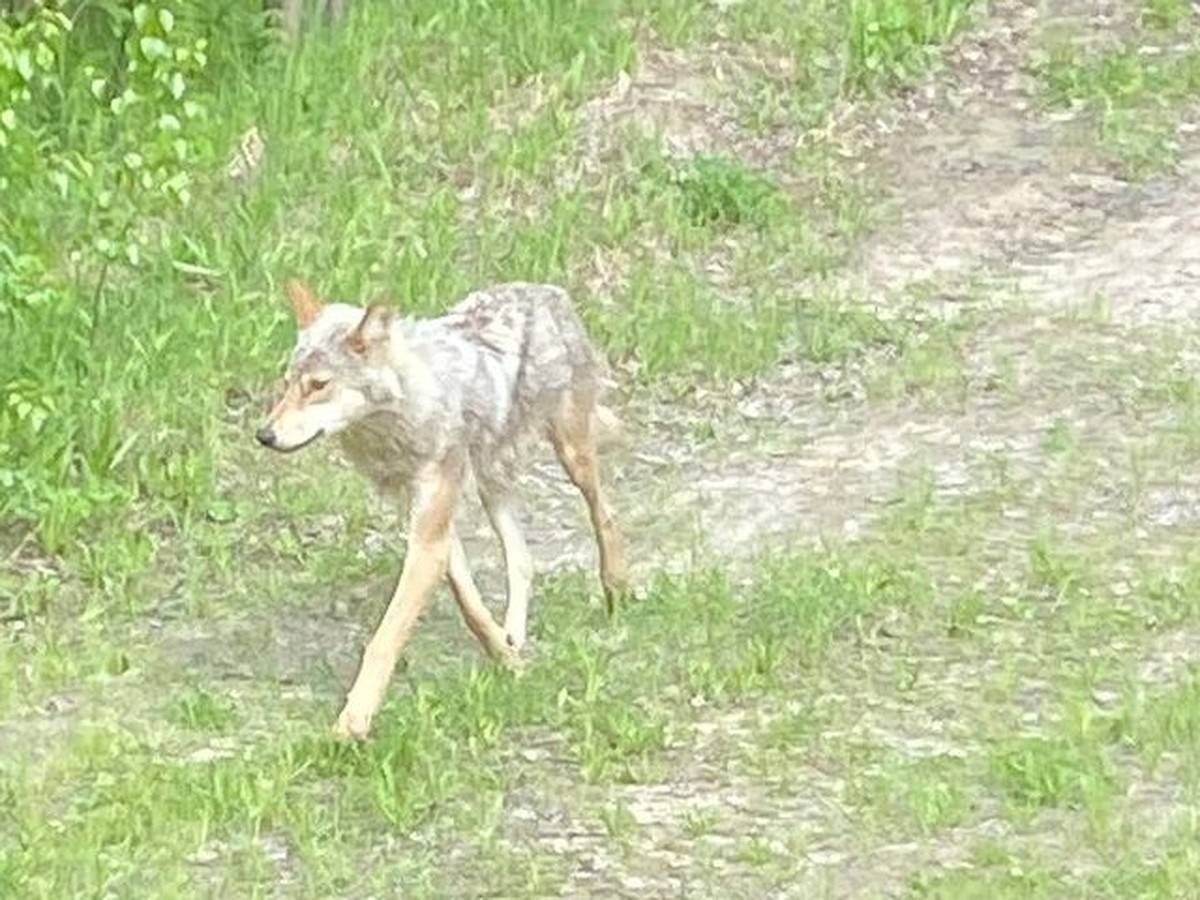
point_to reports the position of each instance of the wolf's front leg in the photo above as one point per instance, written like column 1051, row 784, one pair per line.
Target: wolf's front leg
column 435, row 496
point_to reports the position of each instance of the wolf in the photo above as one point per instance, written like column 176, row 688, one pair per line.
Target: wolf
column 422, row 406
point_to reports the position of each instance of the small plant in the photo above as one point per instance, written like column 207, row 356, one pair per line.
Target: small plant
column 201, row 710
column 98, row 147
column 1165, row 15
column 892, row 40
column 723, row 192
column 1037, row 772
column 1129, row 94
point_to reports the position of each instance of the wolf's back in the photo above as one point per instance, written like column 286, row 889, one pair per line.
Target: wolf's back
column 536, row 332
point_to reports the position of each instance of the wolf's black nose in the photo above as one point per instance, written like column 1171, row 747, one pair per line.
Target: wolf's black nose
column 265, row 436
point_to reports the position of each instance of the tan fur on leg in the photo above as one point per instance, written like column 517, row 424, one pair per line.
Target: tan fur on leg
column 575, row 446
column 490, row 635
column 427, row 560
column 501, row 508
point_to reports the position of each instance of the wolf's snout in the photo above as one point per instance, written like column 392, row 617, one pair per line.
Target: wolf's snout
column 265, row 436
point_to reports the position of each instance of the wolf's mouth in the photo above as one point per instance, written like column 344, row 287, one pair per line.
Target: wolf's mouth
column 301, row 445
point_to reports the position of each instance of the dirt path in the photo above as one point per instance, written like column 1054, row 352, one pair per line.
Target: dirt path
column 1097, row 279
column 1008, row 213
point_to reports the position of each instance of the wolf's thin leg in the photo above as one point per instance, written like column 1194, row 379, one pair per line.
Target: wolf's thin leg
column 435, row 497
column 466, row 594
column 502, row 511
column 575, row 445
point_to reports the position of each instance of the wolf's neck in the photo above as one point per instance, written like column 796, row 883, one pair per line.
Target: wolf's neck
column 387, row 446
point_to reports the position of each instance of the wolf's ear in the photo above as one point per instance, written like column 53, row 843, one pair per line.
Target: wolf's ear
column 372, row 329
column 305, row 304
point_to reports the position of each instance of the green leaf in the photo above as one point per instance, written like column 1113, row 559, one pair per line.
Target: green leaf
column 59, row 19
column 60, row 180
column 178, row 183
column 154, row 48
column 8, row 119
column 221, row 511
column 45, row 57
column 166, row 19
column 24, row 64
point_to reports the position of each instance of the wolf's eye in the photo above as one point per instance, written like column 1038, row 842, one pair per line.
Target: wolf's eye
column 316, row 384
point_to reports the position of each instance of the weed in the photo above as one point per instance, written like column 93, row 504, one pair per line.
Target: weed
column 378, row 165
column 200, row 710
column 719, row 191
column 926, row 793
column 1165, row 15
column 893, row 40
column 1037, row 771
column 1131, row 95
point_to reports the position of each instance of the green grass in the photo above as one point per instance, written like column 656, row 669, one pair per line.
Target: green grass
column 893, row 40
column 998, row 874
column 1165, row 15
column 444, row 754
column 180, row 615
column 1134, row 93
column 386, row 172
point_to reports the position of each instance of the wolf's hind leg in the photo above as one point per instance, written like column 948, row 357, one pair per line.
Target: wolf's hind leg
column 470, row 603
column 573, row 434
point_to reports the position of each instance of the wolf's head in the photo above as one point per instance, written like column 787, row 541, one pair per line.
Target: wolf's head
column 340, row 371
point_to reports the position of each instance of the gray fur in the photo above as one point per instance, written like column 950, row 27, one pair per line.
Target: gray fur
column 492, row 371
column 418, row 405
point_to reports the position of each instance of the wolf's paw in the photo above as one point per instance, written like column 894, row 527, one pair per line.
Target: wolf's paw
column 617, row 593
column 353, row 724
column 514, row 640
column 509, row 656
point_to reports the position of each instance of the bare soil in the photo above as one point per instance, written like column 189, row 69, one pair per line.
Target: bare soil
column 1076, row 278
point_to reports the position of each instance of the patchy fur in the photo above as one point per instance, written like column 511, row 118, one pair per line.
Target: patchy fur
column 418, row 405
